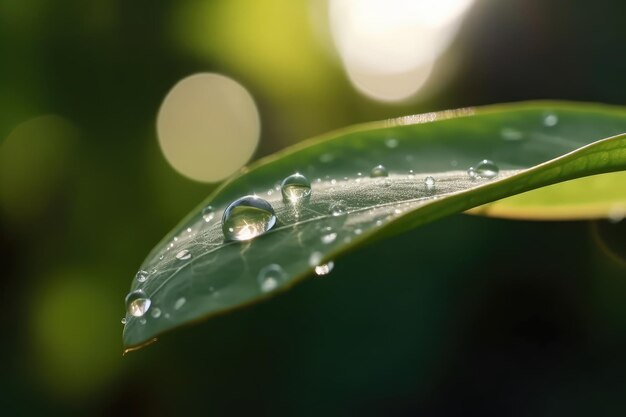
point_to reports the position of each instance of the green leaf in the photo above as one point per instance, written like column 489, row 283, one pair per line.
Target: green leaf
column 533, row 144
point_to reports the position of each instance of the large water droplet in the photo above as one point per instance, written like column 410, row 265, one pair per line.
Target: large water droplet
column 137, row 303
column 247, row 218
column 484, row 169
column 379, row 171
column 141, row 276
column 208, row 213
column 429, row 182
column 183, row 255
column 295, row 188
column 270, row 277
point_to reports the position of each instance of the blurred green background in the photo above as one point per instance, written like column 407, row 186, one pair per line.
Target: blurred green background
column 467, row 316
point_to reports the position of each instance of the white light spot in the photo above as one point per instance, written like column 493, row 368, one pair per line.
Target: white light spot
column 208, row 127
column 389, row 47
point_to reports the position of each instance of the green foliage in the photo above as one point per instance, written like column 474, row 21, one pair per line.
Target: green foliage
column 533, row 144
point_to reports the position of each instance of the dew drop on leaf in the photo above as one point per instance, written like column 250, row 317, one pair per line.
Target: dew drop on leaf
column 137, row 303
column 183, row 255
column 329, row 238
column 337, row 209
column 295, row 188
column 270, row 277
column 142, row 276
column 486, row 169
column 208, row 213
column 379, row 171
column 429, row 182
column 247, row 218
column 315, row 260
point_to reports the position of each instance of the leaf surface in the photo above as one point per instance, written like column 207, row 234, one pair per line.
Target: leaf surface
column 533, row 144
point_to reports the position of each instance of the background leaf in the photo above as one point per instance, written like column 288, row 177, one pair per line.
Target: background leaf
column 533, row 144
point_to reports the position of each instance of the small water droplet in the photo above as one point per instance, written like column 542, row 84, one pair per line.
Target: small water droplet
column 429, row 182
column 247, row 218
column 337, row 209
column 324, row 269
column 391, row 143
column 484, row 169
column 315, row 261
column 358, row 231
column 156, row 312
column 141, row 276
column 137, row 303
column 124, row 320
column 550, row 120
column 142, row 321
column 295, row 188
column 379, row 223
column 179, row 303
column 270, row 277
column 379, row 171
column 183, row 255
column 208, row 213
column 329, row 238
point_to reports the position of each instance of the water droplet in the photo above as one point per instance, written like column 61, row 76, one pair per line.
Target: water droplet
column 137, row 303
column 247, row 218
column 295, row 188
column 270, row 277
column 484, row 169
column 124, row 320
column 179, row 303
column 208, row 213
column 379, row 223
column 315, row 261
column 324, row 269
column 391, row 143
column 379, row 171
column 429, row 182
column 142, row 321
column 156, row 312
column 329, row 238
column 358, row 231
column 337, row 209
column 142, row 276
column 550, row 120
column 183, row 255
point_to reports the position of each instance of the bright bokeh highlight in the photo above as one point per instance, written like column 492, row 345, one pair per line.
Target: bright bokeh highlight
column 208, row 127
column 389, row 47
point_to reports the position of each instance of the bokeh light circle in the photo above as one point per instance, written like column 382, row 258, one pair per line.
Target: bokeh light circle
column 208, row 127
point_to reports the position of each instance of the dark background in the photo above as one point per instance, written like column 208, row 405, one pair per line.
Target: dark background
column 466, row 316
